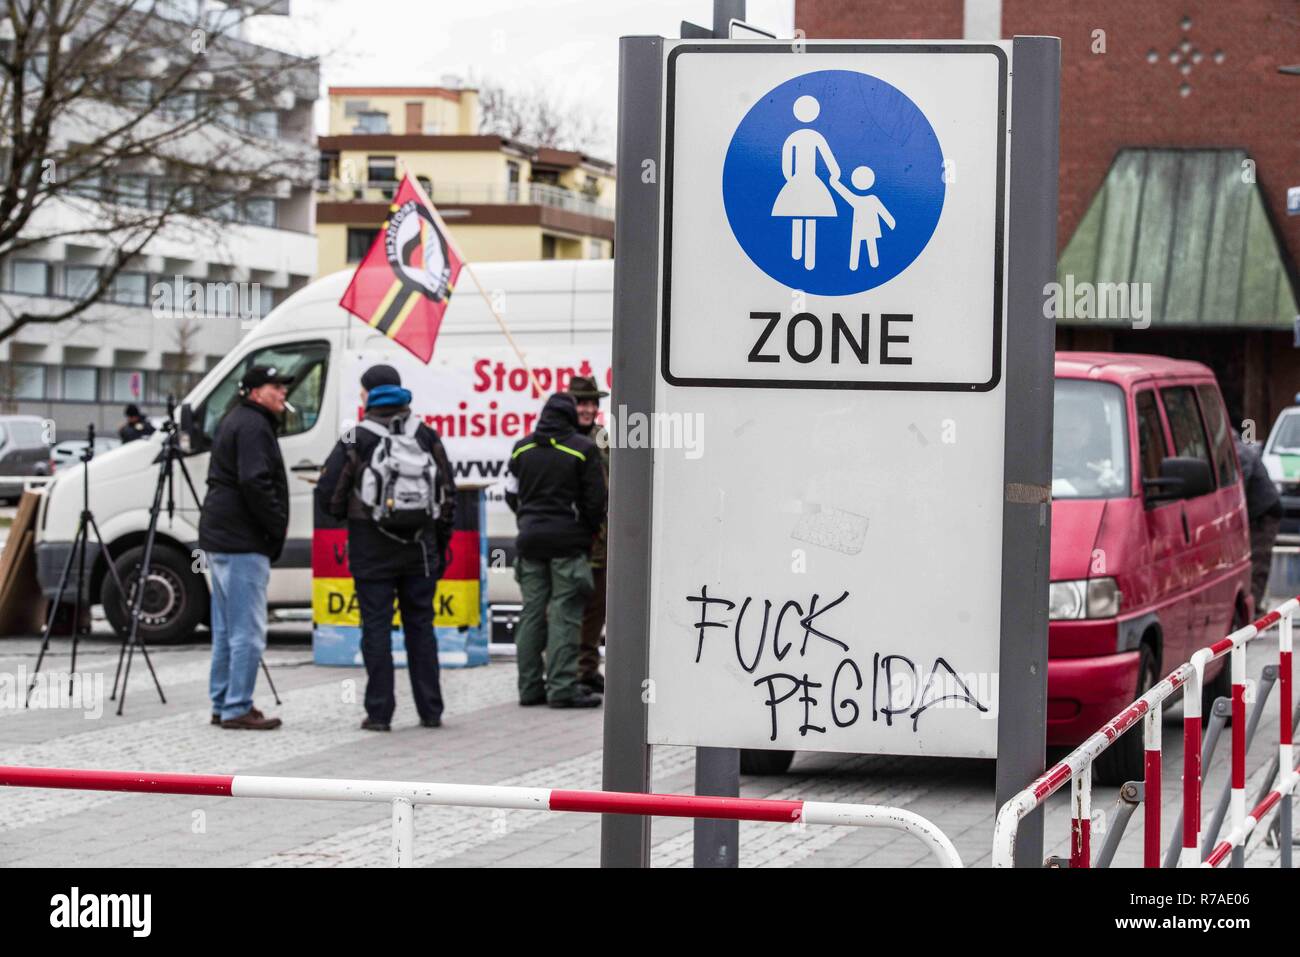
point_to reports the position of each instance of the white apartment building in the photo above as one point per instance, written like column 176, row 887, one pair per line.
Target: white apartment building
column 193, row 292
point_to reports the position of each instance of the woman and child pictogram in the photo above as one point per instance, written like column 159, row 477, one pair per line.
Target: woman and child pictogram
column 805, row 197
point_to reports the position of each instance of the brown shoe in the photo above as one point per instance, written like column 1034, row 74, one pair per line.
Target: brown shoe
column 253, row 720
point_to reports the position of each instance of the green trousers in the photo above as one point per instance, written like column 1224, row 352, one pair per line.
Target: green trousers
column 555, row 593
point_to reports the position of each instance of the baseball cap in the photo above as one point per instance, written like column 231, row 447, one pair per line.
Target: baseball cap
column 263, row 375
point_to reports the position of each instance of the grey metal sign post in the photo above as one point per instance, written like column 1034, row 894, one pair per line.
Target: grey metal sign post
column 1015, row 612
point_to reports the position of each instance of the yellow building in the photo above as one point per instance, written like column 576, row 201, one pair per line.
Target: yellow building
column 502, row 199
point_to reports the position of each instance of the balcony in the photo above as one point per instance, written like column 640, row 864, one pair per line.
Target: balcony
column 477, row 194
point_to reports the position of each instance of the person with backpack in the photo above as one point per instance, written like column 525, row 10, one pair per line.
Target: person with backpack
column 390, row 478
column 556, row 488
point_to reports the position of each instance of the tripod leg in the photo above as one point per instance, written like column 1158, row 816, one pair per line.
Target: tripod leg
column 141, row 583
column 267, row 671
column 83, row 538
column 126, row 676
column 53, row 613
column 144, row 651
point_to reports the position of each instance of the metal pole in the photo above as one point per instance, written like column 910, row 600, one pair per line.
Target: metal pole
column 723, row 12
column 1266, row 681
column 403, row 832
column 1027, row 462
column 1218, row 718
column 625, row 840
column 717, row 772
column 1130, row 796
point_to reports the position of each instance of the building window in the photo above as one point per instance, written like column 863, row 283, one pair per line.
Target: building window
column 176, row 384
column 133, row 190
column 359, row 242
column 512, row 181
column 260, row 211
column 184, row 105
column 131, row 288
column 371, row 121
column 79, row 281
column 264, row 123
column 355, row 107
column 223, row 207
column 381, row 169
column 548, row 246
column 31, row 277
column 128, row 385
column 135, row 92
column 29, row 380
column 266, row 301
column 80, row 384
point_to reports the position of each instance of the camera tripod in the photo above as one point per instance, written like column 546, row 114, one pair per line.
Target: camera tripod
column 85, row 525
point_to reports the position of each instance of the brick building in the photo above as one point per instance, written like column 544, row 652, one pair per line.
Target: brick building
column 1178, row 145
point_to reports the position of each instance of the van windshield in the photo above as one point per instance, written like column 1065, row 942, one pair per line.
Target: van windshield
column 1089, row 440
column 1286, row 434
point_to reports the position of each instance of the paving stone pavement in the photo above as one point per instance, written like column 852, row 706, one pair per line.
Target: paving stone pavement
column 487, row 738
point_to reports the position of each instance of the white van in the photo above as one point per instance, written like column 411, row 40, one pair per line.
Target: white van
column 549, row 304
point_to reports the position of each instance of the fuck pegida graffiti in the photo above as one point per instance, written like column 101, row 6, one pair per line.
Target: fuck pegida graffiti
column 865, row 684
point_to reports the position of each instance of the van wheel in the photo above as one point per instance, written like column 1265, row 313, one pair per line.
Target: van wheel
column 1125, row 760
column 753, row 761
column 174, row 599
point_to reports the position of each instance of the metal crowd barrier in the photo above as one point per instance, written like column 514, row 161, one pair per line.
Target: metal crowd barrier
column 403, row 796
column 1077, row 766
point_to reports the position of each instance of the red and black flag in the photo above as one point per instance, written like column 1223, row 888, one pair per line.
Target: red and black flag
column 404, row 283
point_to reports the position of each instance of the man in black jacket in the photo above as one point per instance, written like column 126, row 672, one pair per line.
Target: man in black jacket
column 556, row 488
column 384, row 564
column 242, row 529
column 136, row 425
column 1264, row 511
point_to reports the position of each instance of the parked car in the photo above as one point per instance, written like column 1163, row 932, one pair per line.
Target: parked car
column 69, row 451
column 1150, row 545
column 1282, row 459
column 24, row 450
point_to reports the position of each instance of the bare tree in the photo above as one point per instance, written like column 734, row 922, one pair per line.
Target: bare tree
column 538, row 117
column 128, row 120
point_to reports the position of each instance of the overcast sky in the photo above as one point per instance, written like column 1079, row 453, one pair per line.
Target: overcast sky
column 567, row 46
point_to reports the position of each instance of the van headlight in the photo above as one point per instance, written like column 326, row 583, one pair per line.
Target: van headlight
column 1085, row 598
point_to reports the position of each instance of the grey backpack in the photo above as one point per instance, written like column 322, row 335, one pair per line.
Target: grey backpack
column 399, row 484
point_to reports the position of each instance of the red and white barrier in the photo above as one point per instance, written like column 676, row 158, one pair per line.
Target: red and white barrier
column 403, row 795
column 1077, row 766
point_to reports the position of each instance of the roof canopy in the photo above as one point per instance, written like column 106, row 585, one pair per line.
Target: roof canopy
column 1192, row 223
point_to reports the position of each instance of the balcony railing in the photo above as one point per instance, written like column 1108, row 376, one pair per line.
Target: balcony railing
column 452, row 194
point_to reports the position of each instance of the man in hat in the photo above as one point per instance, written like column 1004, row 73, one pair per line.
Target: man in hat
column 242, row 529
column 587, row 395
column 556, row 489
column 136, row 426
column 387, row 564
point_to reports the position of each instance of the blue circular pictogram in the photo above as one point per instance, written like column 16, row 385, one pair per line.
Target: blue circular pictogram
column 833, row 182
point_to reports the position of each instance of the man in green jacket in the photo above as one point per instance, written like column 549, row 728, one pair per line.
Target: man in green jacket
column 587, row 395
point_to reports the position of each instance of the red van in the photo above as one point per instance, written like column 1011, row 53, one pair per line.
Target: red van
column 1150, row 546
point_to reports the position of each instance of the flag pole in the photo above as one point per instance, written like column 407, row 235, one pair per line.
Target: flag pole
column 466, row 267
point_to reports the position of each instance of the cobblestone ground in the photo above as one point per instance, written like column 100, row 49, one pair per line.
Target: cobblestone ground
column 487, row 739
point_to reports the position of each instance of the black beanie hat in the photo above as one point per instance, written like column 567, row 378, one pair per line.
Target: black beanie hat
column 380, row 375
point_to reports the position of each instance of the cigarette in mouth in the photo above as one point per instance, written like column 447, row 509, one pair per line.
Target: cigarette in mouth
column 290, row 407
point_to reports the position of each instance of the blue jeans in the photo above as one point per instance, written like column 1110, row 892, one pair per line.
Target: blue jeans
column 238, row 629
